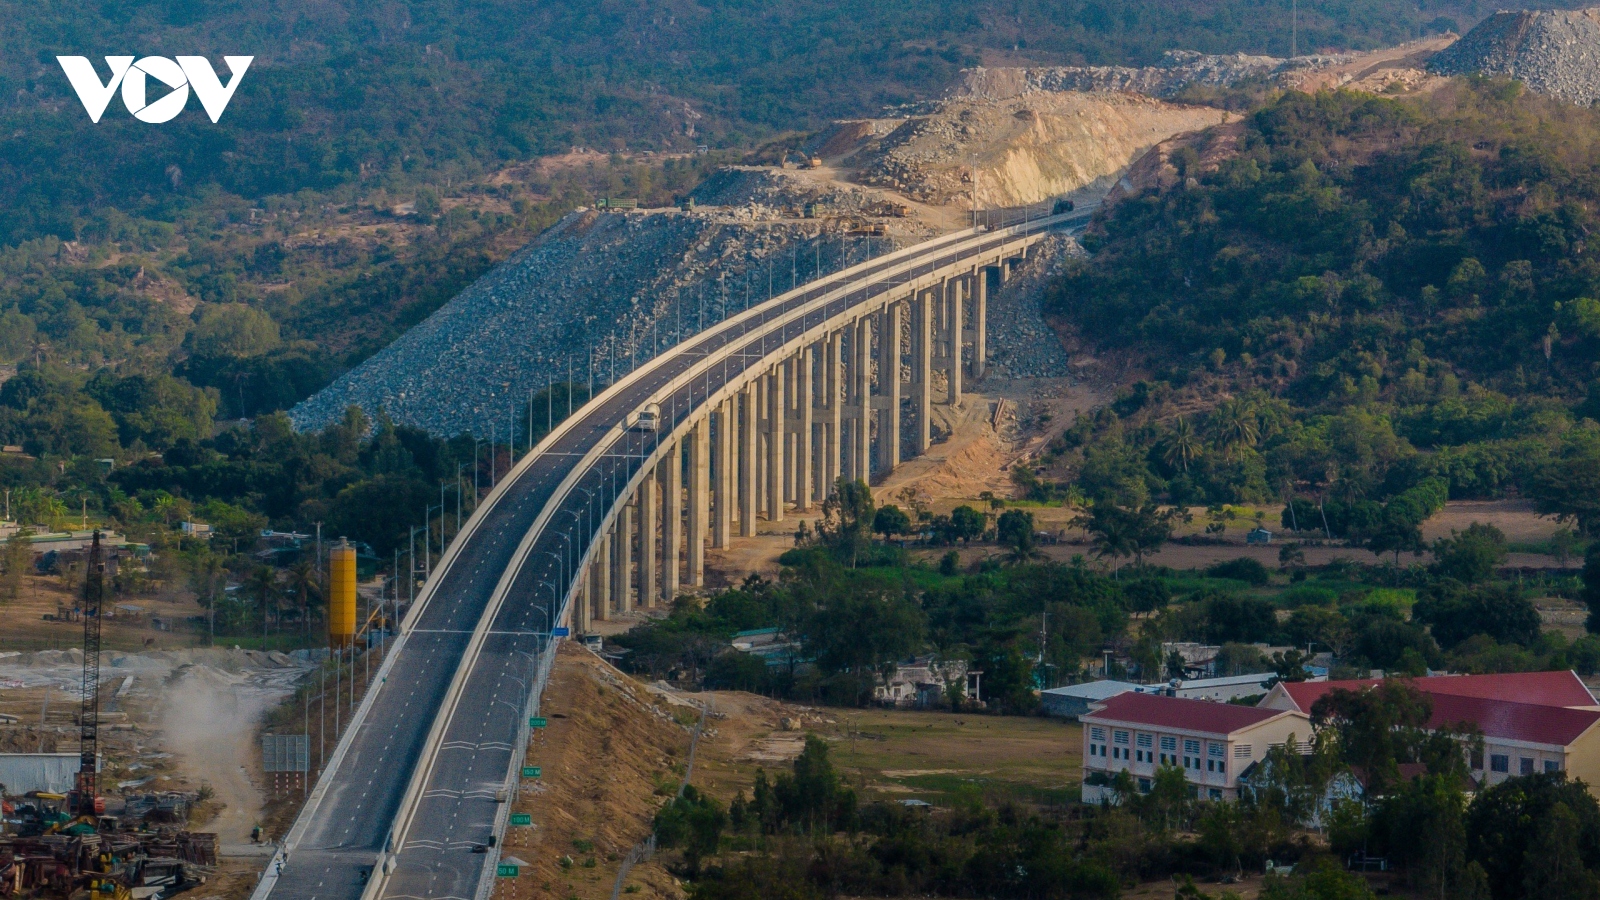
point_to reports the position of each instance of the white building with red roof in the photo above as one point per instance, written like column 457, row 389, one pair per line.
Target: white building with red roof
column 1530, row 721
column 1211, row 742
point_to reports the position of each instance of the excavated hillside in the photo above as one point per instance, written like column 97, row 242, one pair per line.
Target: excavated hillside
column 1552, row 52
column 1025, row 148
column 608, row 290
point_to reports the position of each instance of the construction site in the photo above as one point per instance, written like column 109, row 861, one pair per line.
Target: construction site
column 144, row 775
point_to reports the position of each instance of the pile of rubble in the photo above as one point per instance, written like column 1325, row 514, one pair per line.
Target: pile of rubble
column 1177, row 70
column 1554, row 52
column 601, row 292
column 1020, row 344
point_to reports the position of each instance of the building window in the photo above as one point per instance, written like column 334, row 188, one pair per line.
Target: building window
column 1169, row 744
column 1145, row 741
column 1097, row 734
column 1120, row 737
column 1243, row 751
column 1551, row 765
column 1191, row 747
column 1215, row 794
column 1477, row 761
column 1144, row 785
column 1524, row 766
column 1499, row 762
column 1217, row 751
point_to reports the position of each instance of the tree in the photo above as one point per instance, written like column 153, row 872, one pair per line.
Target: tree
column 14, row 561
column 847, row 517
column 966, row 523
column 1240, row 659
column 1568, row 486
column 1591, row 586
column 233, row 329
column 306, row 587
column 1113, row 531
column 1234, row 426
column 1508, row 832
column 1422, row 826
column 1455, row 612
column 1395, row 535
column 1318, row 879
column 1379, row 729
column 1182, row 445
column 1554, row 867
column 1015, row 530
column 1470, row 556
column 694, row 822
column 263, row 586
column 891, row 520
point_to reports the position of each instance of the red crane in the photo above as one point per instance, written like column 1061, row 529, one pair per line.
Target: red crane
column 86, row 801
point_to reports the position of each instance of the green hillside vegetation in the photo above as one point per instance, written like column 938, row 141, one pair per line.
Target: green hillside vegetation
column 433, row 89
column 111, row 232
column 1393, row 292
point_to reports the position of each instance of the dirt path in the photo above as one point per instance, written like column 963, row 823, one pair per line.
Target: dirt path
column 209, row 720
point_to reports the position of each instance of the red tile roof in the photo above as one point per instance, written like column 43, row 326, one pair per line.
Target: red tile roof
column 1534, row 688
column 1514, row 721
column 1159, row 711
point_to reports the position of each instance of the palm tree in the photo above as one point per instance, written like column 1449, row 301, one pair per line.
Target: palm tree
column 263, row 586
column 305, row 585
column 1112, row 532
column 164, row 504
column 1234, row 425
column 1183, row 445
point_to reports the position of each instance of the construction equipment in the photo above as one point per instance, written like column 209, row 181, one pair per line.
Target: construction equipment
column 86, row 803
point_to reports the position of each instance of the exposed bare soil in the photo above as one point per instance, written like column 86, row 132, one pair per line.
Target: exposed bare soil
column 612, row 754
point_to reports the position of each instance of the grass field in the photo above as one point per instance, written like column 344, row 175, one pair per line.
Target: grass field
column 939, row 757
column 943, row 757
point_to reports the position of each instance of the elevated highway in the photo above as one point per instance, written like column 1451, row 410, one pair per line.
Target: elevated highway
column 759, row 415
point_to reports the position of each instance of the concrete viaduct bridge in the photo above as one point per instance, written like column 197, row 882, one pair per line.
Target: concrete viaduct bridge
column 759, row 414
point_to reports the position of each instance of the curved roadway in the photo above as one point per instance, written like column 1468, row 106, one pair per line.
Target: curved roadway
column 347, row 829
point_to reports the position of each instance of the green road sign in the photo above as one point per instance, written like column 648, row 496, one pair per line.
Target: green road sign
column 522, row 818
column 537, row 722
column 531, row 771
column 504, row 870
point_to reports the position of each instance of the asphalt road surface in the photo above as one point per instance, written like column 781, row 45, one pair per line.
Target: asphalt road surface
column 457, row 809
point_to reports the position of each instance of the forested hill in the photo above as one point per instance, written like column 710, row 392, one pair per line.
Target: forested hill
column 391, row 93
column 1393, row 291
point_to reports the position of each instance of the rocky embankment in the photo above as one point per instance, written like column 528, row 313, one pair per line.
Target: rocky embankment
column 606, row 290
column 1177, row 70
column 1554, row 52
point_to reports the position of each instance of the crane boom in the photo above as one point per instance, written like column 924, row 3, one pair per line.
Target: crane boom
column 89, row 716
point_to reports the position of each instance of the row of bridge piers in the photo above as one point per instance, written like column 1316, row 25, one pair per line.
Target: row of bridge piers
column 850, row 405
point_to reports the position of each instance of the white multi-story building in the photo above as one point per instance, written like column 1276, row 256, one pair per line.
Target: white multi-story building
column 1211, row 742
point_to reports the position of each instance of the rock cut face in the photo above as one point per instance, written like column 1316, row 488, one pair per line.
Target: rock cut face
column 1556, row 53
column 1024, row 148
